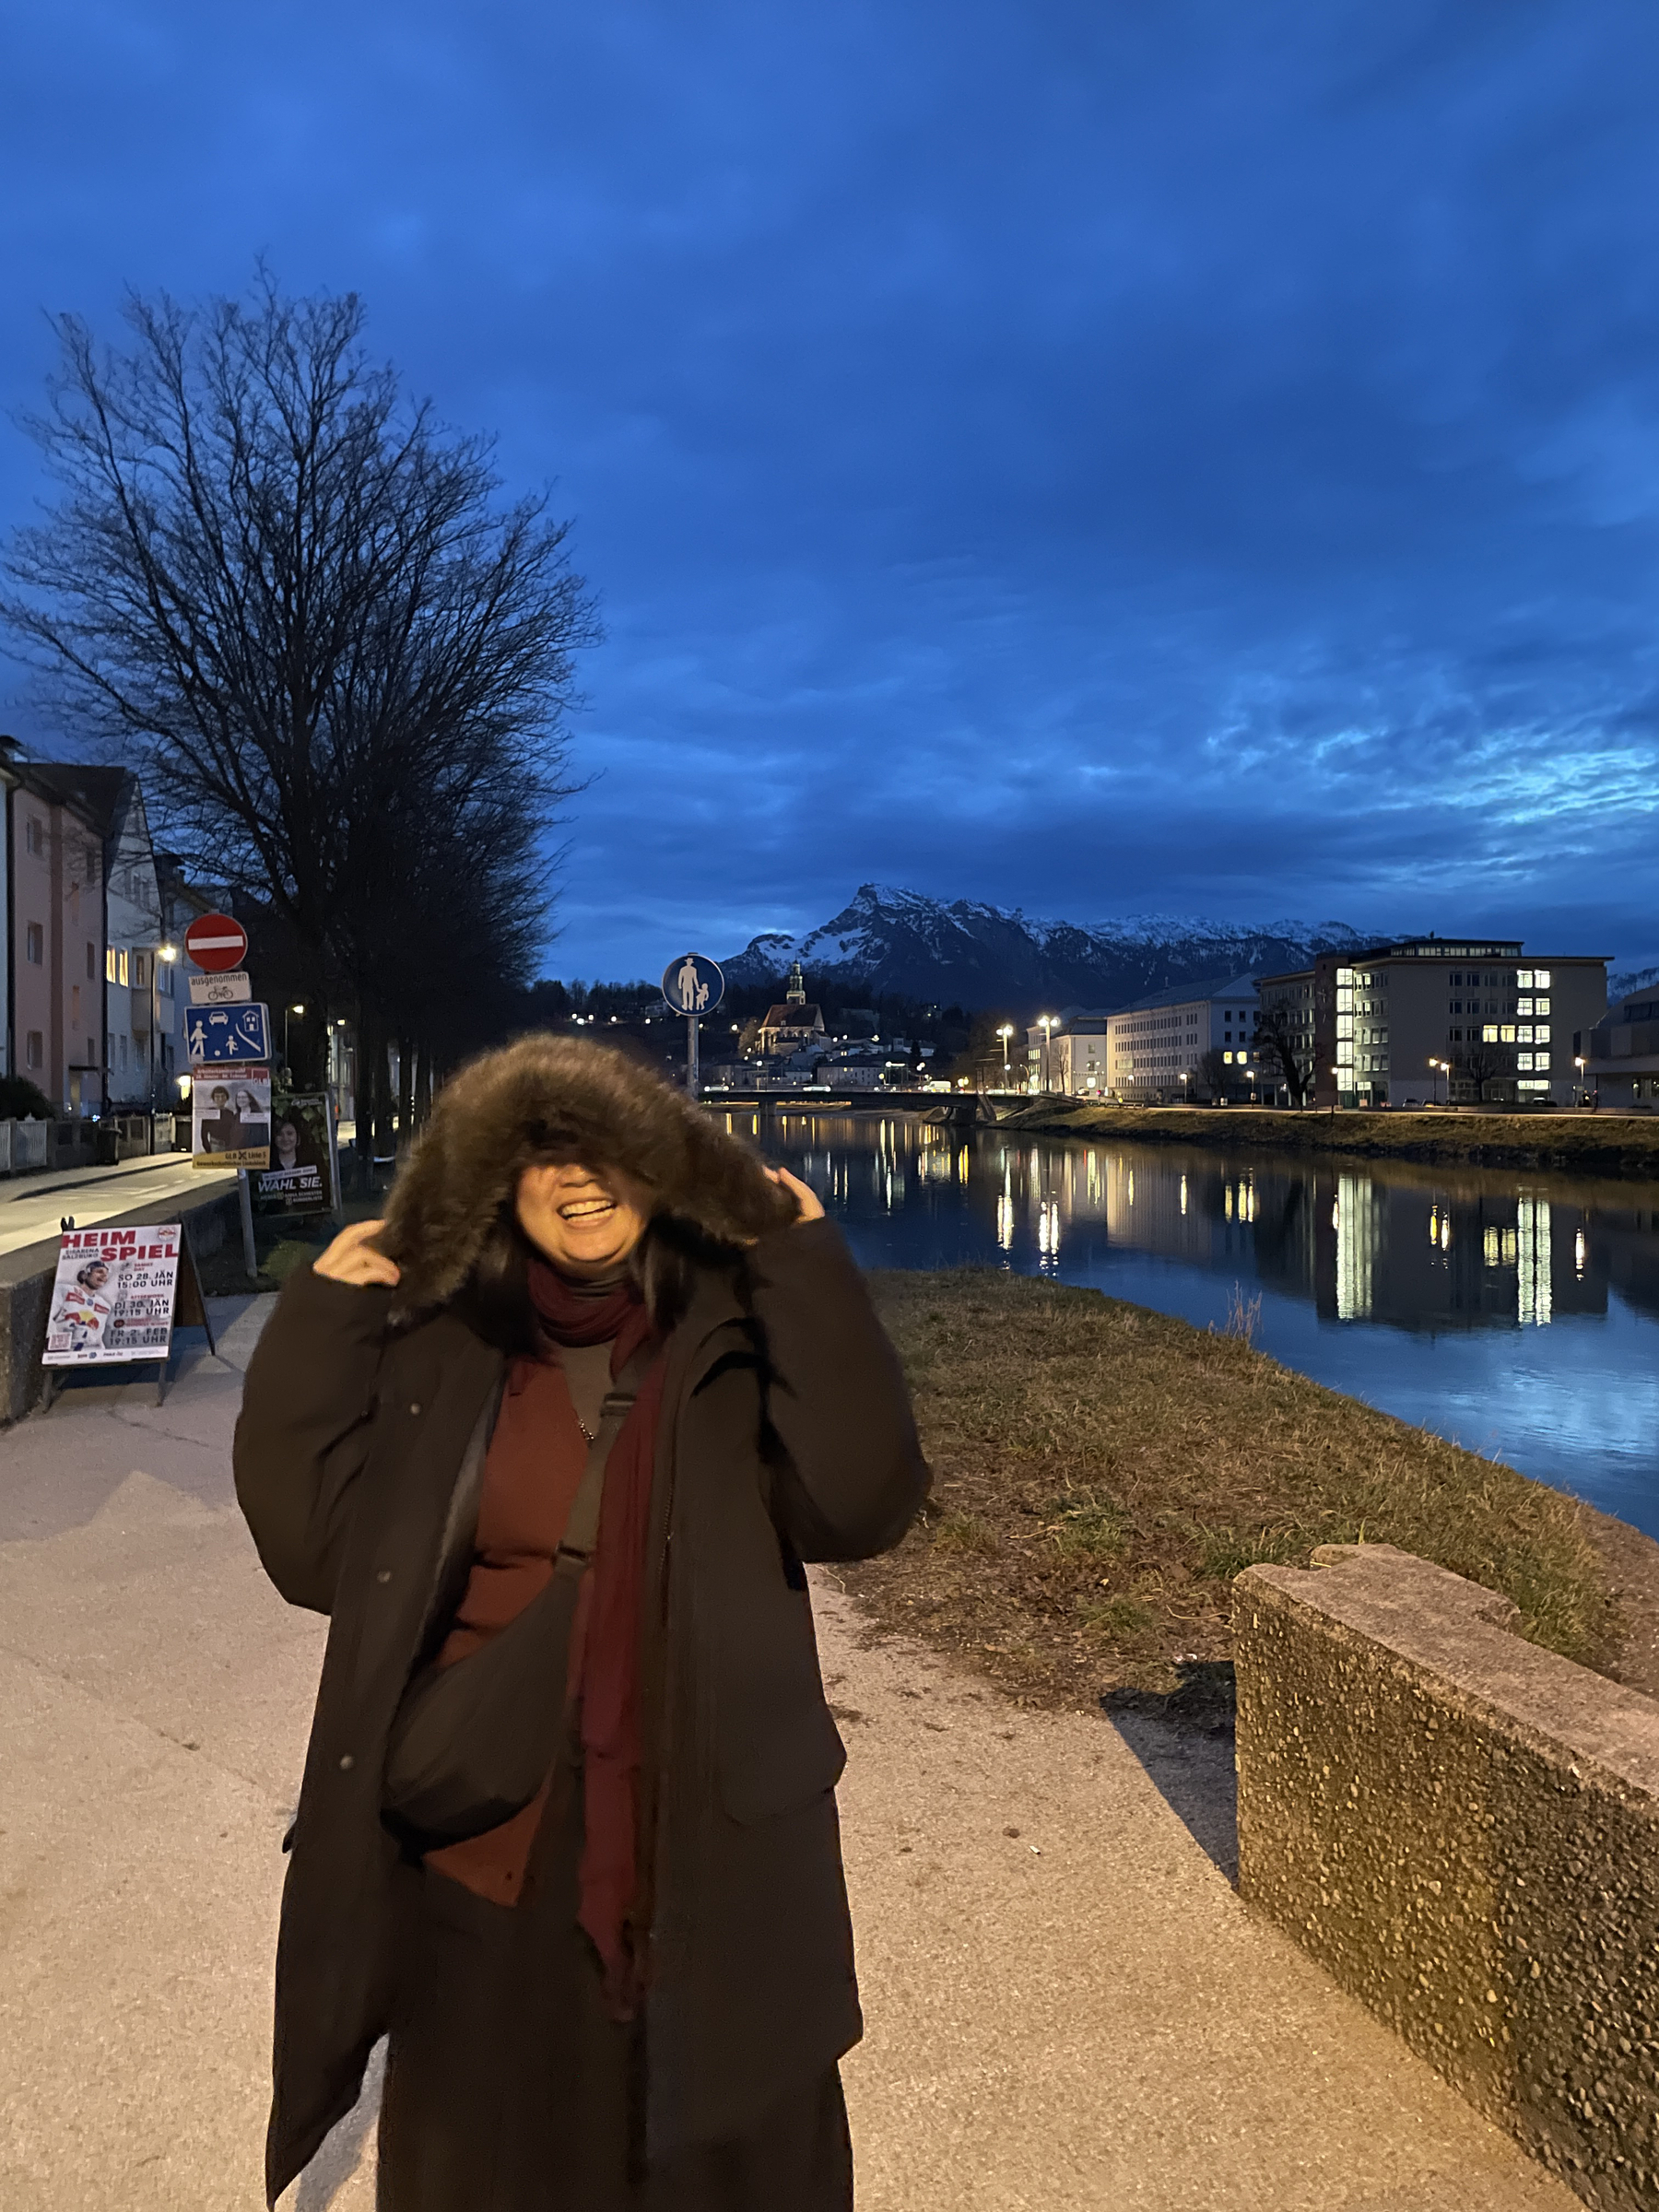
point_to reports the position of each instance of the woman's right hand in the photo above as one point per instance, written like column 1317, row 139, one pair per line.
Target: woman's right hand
column 351, row 1258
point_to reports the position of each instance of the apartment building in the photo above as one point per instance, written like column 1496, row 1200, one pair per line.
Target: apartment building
column 1419, row 1019
column 56, row 930
column 1151, row 1052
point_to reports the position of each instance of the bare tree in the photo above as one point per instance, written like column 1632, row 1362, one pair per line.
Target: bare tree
column 1283, row 1059
column 1481, row 1064
column 344, row 662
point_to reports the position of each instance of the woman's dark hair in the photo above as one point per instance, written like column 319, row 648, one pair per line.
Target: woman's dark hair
column 663, row 1264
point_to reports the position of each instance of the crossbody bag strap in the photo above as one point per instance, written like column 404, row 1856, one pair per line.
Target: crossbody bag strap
column 581, row 1528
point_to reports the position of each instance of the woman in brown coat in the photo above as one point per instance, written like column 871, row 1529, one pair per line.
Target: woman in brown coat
column 550, row 1445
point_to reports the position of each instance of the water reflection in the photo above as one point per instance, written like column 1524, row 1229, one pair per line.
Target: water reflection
column 1519, row 1312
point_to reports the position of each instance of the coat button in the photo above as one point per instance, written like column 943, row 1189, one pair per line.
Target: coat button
column 346, row 1762
column 384, row 1576
column 415, row 1408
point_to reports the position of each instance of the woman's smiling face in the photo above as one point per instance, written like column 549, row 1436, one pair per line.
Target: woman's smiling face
column 585, row 1221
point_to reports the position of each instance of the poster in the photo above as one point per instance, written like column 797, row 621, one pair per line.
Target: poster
column 231, row 1117
column 298, row 1180
column 113, row 1296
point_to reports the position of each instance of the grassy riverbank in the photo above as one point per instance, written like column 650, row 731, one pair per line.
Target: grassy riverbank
column 1102, row 1472
column 1591, row 1144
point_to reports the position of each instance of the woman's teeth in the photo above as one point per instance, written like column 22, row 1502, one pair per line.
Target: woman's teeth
column 587, row 1209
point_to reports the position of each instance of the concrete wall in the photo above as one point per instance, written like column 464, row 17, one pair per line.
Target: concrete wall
column 1464, row 1829
column 26, row 1278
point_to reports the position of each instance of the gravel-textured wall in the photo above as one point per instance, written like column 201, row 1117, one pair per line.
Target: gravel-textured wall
column 1464, row 1829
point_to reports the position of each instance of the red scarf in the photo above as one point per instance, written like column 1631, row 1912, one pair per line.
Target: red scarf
column 531, row 1474
column 605, row 1659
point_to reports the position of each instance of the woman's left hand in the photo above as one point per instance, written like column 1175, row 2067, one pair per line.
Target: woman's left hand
column 810, row 1205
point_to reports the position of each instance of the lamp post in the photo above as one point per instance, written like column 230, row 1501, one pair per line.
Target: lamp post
column 1046, row 1023
column 1005, row 1033
column 298, row 1008
column 1334, row 1075
column 1184, row 1085
column 1437, row 1069
column 1580, row 1065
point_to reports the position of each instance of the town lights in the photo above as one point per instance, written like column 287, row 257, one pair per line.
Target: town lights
column 1005, row 1033
column 1047, row 1023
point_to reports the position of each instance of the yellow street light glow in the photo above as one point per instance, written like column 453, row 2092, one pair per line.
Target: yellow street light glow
column 167, row 952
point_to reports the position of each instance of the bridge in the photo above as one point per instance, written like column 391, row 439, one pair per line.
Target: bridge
column 959, row 1109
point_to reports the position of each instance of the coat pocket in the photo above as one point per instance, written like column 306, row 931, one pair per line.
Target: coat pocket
column 799, row 1757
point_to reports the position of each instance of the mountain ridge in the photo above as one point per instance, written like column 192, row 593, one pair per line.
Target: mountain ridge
column 891, row 941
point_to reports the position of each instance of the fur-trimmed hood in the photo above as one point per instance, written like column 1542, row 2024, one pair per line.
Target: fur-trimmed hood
column 561, row 1097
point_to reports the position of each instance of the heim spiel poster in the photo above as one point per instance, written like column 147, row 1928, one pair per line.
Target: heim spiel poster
column 113, row 1297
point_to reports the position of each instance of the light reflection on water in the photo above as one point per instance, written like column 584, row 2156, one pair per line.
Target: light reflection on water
column 1515, row 1312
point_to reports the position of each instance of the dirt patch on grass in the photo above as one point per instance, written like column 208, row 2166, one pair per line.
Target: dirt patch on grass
column 1102, row 1472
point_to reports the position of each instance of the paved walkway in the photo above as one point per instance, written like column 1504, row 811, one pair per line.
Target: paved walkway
column 32, row 1205
column 1068, row 2006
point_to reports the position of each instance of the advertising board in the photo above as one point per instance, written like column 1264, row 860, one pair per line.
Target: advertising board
column 231, row 1117
column 113, row 1296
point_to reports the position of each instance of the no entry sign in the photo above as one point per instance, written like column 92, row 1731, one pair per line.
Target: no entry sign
column 216, row 942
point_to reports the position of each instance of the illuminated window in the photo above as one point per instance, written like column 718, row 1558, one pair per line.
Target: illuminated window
column 1540, row 1060
column 121, row 966
column 1524, row 979
column 1523, row 1034
column 109, row 964
column 1541, row 978
column 1541, row 1033
column 1489, row 1035
column 1524, row 1062
column 1540, row 1005
column 1506, row 1032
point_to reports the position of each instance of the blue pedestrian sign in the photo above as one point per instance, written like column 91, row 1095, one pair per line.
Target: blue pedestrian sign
column 220, row 1036
column 693, row 984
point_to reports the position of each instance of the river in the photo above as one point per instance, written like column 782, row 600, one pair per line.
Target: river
column 1515, row 1312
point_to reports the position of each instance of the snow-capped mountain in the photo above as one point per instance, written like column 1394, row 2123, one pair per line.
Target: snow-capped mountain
column 968, row 954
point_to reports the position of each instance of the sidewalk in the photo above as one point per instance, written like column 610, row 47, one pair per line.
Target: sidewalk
column 32, row 1205
column 1068, row 2007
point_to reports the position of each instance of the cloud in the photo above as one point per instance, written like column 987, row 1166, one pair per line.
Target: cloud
column 1085, row 458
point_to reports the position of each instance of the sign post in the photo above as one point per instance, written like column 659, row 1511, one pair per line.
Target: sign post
column 693, row 986
column 227, row 1040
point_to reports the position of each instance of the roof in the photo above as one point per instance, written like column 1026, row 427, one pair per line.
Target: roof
column 99, row 793
column 798, row 1014
column 1186, row 995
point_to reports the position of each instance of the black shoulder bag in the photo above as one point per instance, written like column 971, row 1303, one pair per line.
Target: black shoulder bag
column 472, row 1741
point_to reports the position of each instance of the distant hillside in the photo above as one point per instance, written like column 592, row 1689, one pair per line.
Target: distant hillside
column 969, row 955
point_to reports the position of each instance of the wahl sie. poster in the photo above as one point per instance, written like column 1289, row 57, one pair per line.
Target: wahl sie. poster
column 113, row 1297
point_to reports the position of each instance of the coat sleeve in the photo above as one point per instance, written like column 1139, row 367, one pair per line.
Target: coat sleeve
column 303, row 1433
column 848, row 1475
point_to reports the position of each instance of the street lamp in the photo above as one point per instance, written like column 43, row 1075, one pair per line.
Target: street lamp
column 1005, row 1033
column 1582, row 1086
column 298, row 1008
column 1334, row 1075
column 1184, row 1085
column 1046, row 1023
column 1440, row 1068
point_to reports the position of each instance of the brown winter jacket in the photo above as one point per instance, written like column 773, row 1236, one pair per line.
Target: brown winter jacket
column 786, row 1437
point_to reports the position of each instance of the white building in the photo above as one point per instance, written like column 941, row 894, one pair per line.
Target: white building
column 1153, row 1049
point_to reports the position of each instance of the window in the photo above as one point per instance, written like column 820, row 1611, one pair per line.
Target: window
column 141, row 965
column 1523, row 1034
column 121, row 966
column 1540, row 1005
column 1506, row 1032
column 34, row 945
column 109, row 964
column 164, row 979
column 1540, row 1059
column 1524, row 1062
column 1524, row 979
column 1489, row 1035
column 1541, row 1032
column 31, row 1049
column 1541, row 978
column 121, row 1043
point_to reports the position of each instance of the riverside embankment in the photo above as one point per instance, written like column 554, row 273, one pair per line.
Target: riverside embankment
column 1579, row 1143
column 1101, row 1473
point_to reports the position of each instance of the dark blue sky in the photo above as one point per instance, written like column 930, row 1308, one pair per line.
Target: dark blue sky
column 1089, row 455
